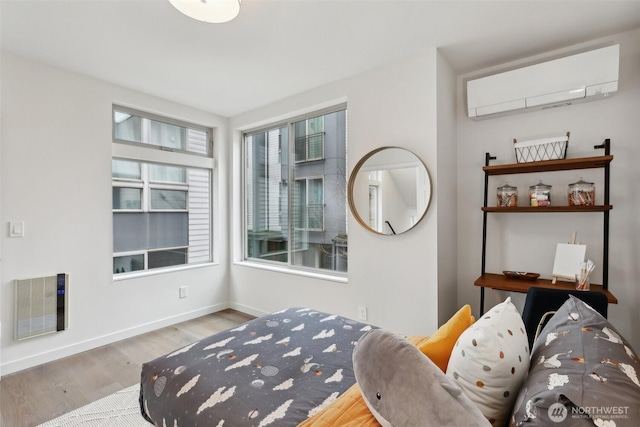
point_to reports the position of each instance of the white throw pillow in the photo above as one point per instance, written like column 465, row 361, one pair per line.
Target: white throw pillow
column 490, row 361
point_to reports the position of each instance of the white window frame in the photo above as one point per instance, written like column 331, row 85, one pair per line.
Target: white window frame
column 146, row 131
column 146, row 154
column 241, row 255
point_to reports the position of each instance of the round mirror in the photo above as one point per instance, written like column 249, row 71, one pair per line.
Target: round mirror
column 389, row 190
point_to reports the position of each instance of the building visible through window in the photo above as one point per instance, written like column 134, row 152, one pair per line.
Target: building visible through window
column 296, row 211
column 161, row 211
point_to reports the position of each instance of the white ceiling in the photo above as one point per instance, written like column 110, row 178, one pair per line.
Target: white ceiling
column 277, row 48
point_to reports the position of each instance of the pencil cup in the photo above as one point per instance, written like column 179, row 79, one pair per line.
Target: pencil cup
column 582, row 282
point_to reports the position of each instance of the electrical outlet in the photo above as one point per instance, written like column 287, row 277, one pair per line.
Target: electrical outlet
column 362, row 312
column 183, row 291
column 16, row 229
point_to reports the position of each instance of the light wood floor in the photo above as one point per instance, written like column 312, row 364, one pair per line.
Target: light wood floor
column 36, row 395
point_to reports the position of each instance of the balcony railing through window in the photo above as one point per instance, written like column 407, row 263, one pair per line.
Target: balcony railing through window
column 310, row 147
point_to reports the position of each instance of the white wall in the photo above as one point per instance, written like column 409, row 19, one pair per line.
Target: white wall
column 396, row 277
column 1, row 220
column 56, row 177
column 527, row 242
column 394, row 206
column 446, row 192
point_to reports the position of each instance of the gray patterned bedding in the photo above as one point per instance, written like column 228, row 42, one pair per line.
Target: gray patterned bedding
column 276, row 370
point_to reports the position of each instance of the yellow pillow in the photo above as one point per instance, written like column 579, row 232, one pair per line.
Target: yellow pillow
column 439, row 346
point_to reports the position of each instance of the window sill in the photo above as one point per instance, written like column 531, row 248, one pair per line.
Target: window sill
column 154, row 272
column 338, row 277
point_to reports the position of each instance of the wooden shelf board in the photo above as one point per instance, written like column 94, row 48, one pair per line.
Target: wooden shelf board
column 502, row 283
column 548, row 209
column 549, row 165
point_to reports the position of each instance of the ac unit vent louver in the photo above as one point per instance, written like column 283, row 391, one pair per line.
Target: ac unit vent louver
column 577, row 78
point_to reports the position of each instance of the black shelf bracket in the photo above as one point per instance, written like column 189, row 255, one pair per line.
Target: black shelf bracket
column 487, row 160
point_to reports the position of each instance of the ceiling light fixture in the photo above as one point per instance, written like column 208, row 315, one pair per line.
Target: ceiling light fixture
column 214, row 11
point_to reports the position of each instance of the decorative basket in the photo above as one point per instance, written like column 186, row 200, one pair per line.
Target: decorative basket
column 538, row 150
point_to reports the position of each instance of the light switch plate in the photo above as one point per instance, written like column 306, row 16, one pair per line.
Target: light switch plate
column 16, row 229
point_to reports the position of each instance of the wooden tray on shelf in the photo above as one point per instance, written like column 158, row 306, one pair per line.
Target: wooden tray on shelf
column 521, row 275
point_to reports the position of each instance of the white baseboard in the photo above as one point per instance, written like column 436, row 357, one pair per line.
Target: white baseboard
column 248, row 309
column 11, row 367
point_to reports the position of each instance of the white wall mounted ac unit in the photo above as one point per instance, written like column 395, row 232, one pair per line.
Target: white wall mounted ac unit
column 577, row 78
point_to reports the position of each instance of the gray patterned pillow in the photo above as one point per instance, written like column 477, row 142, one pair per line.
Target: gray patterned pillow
column 403, row 387
column 582, row 373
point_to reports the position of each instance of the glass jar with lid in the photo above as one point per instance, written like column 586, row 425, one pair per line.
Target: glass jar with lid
column 582, row 193
column 507, row 196
column 540, row 195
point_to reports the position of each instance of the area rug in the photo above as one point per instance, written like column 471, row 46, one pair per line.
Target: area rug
column 120, row 409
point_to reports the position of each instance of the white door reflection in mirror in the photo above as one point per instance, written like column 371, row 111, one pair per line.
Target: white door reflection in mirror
column 389, row 190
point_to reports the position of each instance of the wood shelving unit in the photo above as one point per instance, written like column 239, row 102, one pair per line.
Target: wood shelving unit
column 550, row 165
column 501, row 282
column 548, row 209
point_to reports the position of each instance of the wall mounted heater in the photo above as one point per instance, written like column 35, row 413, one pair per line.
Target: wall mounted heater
column 41, row 305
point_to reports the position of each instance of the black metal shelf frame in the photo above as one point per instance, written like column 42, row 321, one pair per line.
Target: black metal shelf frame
column 606, row 145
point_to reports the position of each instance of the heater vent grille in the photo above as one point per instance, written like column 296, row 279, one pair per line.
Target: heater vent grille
column 41, row 305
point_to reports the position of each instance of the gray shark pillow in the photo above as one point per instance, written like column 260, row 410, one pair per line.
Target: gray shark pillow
column 583, row 373
column 403, row 387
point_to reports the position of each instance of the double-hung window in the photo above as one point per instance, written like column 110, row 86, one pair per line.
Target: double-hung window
column 295, row 211
column 309, row 202
column 161, row 192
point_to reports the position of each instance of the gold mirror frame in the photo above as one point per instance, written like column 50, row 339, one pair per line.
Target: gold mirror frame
column 384, row 163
